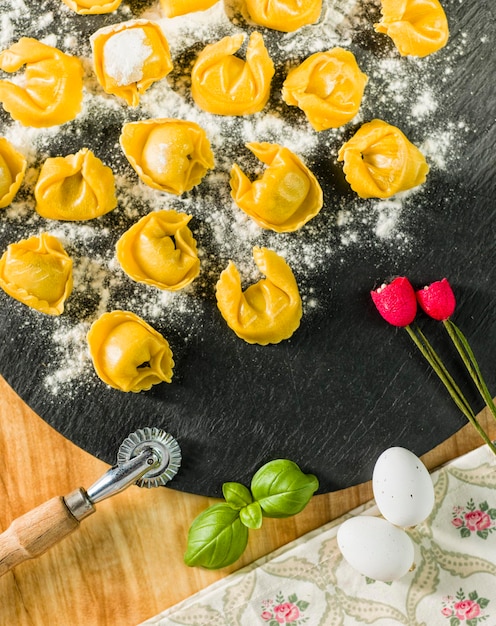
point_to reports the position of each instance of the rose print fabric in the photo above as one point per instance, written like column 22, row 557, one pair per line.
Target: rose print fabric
column 281, row 611
column 461, row 608
column 472, row 518
column 308, row 582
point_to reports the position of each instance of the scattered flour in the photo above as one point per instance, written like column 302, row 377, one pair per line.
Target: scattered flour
column 388, row 215
column 124, row 55
column 437, row 146
column 425, row 105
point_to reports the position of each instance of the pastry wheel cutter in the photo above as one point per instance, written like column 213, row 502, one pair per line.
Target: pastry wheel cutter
column 149, row 457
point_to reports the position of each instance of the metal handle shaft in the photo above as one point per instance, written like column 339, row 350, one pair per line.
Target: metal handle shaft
column 121, row 476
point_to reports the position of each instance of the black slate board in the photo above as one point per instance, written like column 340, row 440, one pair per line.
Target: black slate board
column 346, row 385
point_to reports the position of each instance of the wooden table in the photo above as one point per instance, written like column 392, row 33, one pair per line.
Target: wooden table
column 125, row 563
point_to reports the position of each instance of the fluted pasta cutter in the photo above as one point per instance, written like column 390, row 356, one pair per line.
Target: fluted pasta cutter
column 149, row 457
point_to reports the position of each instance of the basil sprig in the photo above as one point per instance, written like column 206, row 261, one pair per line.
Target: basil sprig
column 219, row 535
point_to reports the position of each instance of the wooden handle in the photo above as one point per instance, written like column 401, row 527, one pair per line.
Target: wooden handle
column 33, row 533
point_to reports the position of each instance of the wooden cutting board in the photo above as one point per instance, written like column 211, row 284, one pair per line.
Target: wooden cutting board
column 124, row 564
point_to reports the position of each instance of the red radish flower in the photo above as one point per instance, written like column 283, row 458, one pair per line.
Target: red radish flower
column 396, row 302
column 437, row 300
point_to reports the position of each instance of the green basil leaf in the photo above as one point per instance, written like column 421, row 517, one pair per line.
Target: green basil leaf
column 216, row 538
column 237, row 495
column 251, row 515
column 282, row 489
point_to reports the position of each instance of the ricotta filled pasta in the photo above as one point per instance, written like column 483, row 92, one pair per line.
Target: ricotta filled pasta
column 75, row 187
column 168, row 154
column 12, row 170
column 51, row 92
column 285, row 197
column 417, row 27
column 225, row 84
column 129, row 57
column 37, row 272
column 328, row 87
column 268, row 311
column 284, row 15
column 127, row 353
column 160, row 250
column 93, row 7
column 379, row 161
column 173, row 8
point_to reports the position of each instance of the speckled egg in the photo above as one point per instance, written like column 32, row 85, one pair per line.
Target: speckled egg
column 402, row 487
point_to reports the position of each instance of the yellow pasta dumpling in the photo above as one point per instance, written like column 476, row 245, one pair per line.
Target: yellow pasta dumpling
column 173, row 8
column 37, row 272
column 52, row 89
column 328, row 87
column 93, row 7
column 224, row 84
column 12, row 170
column 285, row 197
column 167, row 154
column 129, row 57
column 127, row 353
column 160, row 250
column 379, row 161
column 267, row 311
column 284, row 15
column 75, row 187
column 417, row 27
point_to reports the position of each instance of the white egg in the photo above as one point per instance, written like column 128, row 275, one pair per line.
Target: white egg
column 375, row 548
column 402, row 487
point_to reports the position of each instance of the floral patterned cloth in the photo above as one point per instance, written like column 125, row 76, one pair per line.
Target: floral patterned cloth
column 308, row 582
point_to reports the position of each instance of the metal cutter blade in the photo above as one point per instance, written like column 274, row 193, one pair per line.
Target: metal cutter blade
column 165, row 447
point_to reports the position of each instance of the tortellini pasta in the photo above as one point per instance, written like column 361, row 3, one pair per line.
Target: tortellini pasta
column 12, row 170
column 127, row 353
column 37, row 272
column 160, row 250
column 93, row 7
column 328, row 87
column 224, row 84
column 129, row 57
column 284, row 15
column 52, row 88
column 75, row 187
column 173, row 8
column 267, row 311
column 417, row 27
column 379, row 161
column 168, row 154
column 285, row 197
